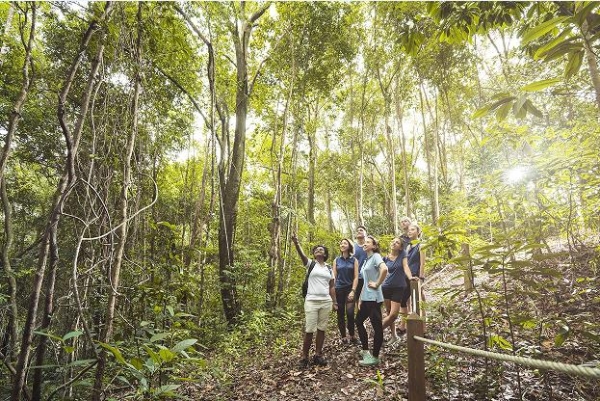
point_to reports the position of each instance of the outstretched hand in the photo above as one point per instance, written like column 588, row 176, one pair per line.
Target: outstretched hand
column 294, row 238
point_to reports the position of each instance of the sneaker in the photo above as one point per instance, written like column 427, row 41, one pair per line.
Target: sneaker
column 369, row 360
column 363, row 352
column 319, row 360
column 303, row 363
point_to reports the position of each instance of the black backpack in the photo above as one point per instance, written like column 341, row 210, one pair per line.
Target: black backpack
column 305, row 284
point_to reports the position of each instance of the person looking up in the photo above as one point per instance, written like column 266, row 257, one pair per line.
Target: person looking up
column 415, row 258
column 318, row 302
column 360, row 255
column 371, row 298
column 394, row 285
column 405, row 222
column 345, row 273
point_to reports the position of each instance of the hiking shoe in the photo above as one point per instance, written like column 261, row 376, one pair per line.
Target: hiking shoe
column 363, row 352
column 369, row 360
column 319, row 360
column 303, row 363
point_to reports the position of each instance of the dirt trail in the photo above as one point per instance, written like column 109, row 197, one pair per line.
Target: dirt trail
column 342, row 379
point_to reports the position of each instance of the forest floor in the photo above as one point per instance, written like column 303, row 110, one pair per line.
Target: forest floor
column 279, row 377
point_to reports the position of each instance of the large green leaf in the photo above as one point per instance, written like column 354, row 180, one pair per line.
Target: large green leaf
column 482, row 112
column 115, row 351
column 503, row 110
column 180, row 346
column 542, row 29
column 532, row 109
column 539, row 85
column 539, row 53
column 574, row 63
column 585, row 8
column 562, row 49
column 72, row 334
column 52, row 336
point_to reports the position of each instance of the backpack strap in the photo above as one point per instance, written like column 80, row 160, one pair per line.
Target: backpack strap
column 310, row 268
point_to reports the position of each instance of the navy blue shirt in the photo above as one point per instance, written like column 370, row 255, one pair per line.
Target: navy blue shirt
column 345, row 271
column 414, row 259
column 361, row 256
column 396, row 278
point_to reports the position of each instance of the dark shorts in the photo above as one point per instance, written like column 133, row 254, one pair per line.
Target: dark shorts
column 393, row 293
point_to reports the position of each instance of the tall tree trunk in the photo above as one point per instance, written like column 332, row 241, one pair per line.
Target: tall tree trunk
column 14, row 117
column 274, row 248
column 430, row 147
column 405, row 165
column 360, row 218
column 311, row 128
column 60, row 196
column 293, row 201
column 231, row 177
column 7, row 345
column 114, row 272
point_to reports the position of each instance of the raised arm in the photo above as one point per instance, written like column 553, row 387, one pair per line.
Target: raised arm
column 299, row 250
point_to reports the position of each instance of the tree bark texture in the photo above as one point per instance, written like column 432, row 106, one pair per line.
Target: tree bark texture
column 231, row 175
column 48, row 247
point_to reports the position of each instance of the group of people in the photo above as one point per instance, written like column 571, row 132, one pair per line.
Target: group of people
column 360, row 277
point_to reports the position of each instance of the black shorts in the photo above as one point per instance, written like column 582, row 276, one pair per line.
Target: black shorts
column 393, row 293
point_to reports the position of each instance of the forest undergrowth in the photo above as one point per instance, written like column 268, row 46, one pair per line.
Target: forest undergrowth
column 553, row 317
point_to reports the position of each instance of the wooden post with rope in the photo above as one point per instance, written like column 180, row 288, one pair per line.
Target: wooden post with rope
column 416, row 349
column 468, row 277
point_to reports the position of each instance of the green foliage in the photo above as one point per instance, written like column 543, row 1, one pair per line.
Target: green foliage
column 151, row 373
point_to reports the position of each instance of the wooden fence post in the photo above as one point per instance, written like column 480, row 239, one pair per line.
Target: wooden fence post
column 468, row 277
column 416, row 358
column 415, row 326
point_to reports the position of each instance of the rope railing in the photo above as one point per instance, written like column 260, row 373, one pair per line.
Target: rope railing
column 534, row 363
column 416, row 353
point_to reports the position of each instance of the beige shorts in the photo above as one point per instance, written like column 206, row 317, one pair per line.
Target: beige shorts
column 317, row 314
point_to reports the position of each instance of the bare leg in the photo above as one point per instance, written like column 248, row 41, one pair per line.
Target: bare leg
column 392, row 314
column 308, row 337
column 320, row 341
column 403, row 315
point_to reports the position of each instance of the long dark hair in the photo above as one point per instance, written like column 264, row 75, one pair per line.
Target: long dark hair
column 350, row 246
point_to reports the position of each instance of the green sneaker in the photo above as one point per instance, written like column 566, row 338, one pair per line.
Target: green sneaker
column 369, row 360
column 363, row 352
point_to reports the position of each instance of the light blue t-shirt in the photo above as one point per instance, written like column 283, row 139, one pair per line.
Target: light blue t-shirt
column 370, row 272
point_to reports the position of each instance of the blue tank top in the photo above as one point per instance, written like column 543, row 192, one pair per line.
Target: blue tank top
column 395, row 277
column 414, row 259
column 345, row 271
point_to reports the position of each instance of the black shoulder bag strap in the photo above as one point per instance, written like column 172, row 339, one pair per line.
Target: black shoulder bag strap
column 305, row 284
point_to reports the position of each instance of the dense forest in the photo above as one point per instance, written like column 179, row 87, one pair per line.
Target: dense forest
column 157, row 158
